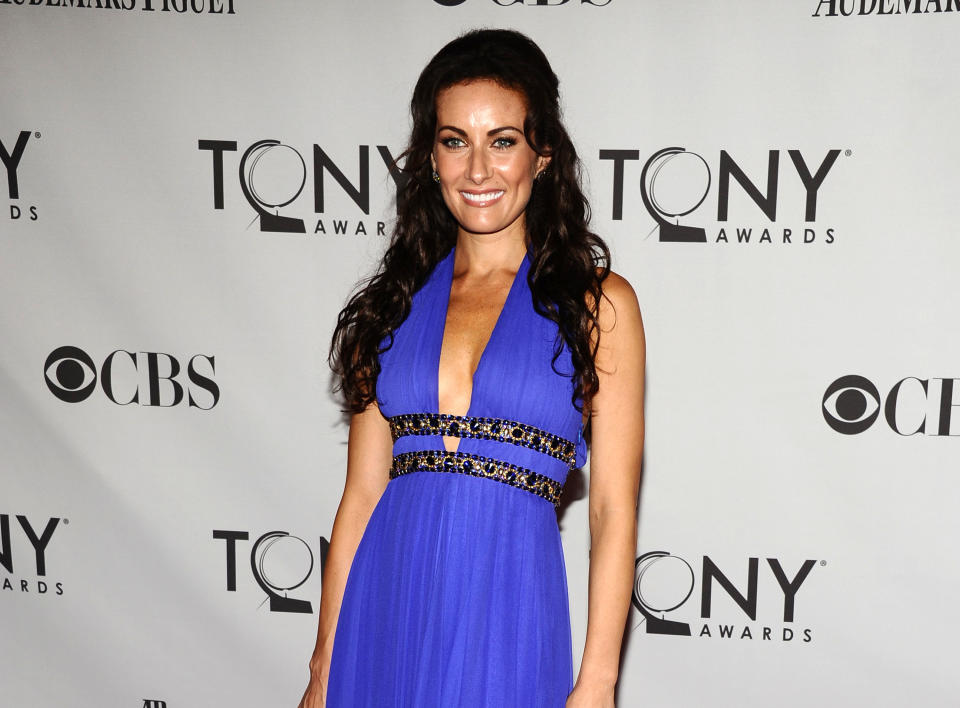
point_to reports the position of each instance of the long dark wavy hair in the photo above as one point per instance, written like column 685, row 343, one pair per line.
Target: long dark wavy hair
column 568, row 262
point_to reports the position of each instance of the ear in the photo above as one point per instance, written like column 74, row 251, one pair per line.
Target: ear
column 543, row 161
column 433, row 161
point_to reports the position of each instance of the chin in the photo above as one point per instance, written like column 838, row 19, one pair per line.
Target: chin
column 489, row 224
column 483, row 229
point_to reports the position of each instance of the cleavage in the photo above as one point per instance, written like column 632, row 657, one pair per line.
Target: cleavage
column 471, row 321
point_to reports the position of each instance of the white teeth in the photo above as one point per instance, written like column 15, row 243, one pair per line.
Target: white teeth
column 485, row 197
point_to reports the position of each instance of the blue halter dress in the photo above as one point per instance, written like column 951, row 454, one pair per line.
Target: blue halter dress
column 457, row 595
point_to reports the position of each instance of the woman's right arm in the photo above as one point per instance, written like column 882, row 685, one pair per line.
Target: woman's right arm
column 369, row 455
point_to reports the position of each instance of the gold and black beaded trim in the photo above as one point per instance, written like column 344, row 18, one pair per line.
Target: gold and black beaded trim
column 499, row 429
column 477, row 466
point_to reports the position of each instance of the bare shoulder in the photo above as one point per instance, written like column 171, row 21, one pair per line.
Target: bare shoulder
column 619, row 306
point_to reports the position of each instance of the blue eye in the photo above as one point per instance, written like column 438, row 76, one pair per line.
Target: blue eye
column 504, row 143
column 451, row 142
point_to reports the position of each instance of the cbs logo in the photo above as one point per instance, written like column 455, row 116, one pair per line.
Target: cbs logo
column 144, row 378
column 852, row 404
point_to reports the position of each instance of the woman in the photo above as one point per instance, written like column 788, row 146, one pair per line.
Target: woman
column 493, row 331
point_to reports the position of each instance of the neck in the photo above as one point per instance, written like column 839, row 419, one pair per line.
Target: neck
column 484, row 253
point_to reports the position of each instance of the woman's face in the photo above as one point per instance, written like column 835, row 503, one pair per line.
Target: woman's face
column 485, row 164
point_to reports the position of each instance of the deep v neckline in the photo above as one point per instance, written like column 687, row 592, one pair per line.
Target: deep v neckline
column 446, row 292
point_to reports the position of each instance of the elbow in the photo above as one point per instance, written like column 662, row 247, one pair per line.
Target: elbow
column 617, row 518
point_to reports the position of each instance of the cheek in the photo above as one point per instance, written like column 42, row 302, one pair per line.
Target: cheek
column 449, row 161
column 519, row 173
column 442, row 166
column 450, row 197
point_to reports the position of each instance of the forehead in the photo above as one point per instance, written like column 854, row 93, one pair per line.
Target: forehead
column 480, row 100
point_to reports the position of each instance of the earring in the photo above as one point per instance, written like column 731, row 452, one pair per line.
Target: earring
column 436, row 177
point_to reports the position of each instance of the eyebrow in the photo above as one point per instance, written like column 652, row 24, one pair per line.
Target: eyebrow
column 458, row 131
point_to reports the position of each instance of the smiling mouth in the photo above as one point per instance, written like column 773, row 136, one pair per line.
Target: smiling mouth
column 482, row 199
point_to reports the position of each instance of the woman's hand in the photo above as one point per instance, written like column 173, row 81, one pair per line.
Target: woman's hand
column 591, row 696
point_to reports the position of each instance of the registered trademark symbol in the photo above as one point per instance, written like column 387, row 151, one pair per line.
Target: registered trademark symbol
column 848, row 153
column 37, row 134
column 823, row 562
column 66, row 521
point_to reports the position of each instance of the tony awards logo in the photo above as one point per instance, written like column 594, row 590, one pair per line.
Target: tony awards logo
column 763, row 608
column 750, row 208
column 671, row 587
column 279, row 562
column 674, row 183
column 272, row 175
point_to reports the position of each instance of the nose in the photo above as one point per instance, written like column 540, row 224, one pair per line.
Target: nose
column 478, row 166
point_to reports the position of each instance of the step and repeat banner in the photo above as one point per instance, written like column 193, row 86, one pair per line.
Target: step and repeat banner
column 191, row 189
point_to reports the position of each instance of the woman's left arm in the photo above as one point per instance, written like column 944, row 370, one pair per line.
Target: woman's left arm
column 615, row 452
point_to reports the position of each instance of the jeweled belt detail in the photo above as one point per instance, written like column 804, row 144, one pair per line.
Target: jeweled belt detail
column 499, row 429
column 477, row 466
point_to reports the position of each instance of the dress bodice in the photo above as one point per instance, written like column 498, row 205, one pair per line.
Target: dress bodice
column 516, row 378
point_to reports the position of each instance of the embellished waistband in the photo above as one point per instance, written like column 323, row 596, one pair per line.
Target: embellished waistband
column 499, row 429
column 477, row 466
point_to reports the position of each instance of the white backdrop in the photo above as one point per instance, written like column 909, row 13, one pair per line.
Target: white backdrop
column 120, row 241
